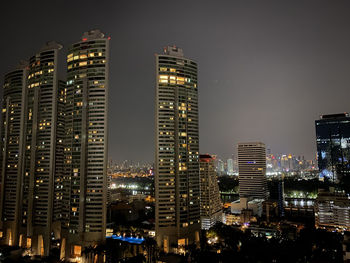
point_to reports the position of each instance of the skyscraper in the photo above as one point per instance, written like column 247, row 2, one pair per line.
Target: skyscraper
column 32, row 152
column 43, row 155
column 333, row 146
column 211, row 206
column 14, row 91
column 177, row 187
column 85, row 180
column 230, row 166
column 220, row 167
column 252, row 170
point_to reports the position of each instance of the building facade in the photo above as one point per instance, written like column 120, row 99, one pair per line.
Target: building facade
column 85, row 176
column 177, row 187
column 43, row 154
column 333, row 146
column 230, row 166
column 332, row 210
column 54, row 149
column 252, row 170
column 14, row 95
column 35, row 152
column 211, row 206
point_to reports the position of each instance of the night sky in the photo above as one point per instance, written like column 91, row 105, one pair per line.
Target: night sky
column 267, row 69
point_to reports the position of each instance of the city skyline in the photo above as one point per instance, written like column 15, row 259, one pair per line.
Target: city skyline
column 187, row 131
column 246, row 52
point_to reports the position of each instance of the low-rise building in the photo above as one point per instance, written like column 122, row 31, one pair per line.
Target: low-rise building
column 332, row 210
column 232, row 219
column 245, row 203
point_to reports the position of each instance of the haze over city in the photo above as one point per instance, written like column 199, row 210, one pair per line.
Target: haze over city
column 267, row 69
column 182, row 131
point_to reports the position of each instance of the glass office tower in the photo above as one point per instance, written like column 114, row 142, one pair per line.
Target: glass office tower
column 333, row 146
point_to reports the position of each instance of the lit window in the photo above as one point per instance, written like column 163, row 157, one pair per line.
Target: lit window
column 77, row 251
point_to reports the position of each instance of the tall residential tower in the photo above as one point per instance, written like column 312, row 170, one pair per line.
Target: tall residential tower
column 14, row 95
column 85, row 182
column 43, row 155
column 177, row 150
column 32, row 152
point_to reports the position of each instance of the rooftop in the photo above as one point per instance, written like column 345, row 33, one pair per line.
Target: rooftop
column 334, row 116
column 173, row 51
column 92, row 34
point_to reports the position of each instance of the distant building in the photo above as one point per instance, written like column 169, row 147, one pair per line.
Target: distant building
column 177, row 184
column 136, row 197
column 277, row 194
column 211, row 206
column 255, row 205
column 252, row 170
column 230, row 166
column 333, row 146
column 232, row 219
column 246, row 216
column 109, row 185
column 332, row 210
column 220, row 167
column 270, row 209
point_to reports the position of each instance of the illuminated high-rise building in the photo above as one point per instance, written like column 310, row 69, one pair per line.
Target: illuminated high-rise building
column 14, row 95
column 32, row 152
column 220, row 167
column 211, row 206
column 43, row 155
column 85, row 182
column 229, row 166
column 333, row 146
column 252, row 170
column 177, row 187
